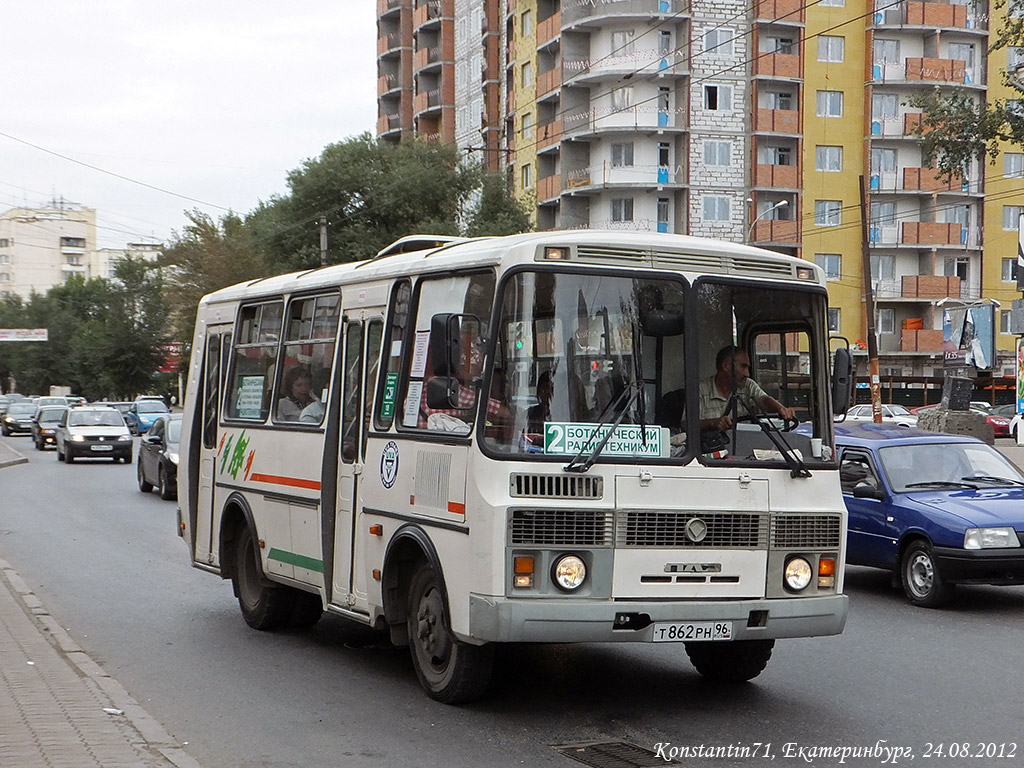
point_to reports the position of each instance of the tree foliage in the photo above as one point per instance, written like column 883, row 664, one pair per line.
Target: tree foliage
column 497, row 212
column 957, row 128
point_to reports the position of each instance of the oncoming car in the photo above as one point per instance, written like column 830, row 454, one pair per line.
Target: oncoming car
column 938, row 510
column 19, row 417
column 44, row 425
column 96, row 432
column 158, row 457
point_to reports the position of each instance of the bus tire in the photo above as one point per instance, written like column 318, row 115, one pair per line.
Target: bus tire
column 264, row 607
column 735, row 662
column 307, row 608
column 450, row 671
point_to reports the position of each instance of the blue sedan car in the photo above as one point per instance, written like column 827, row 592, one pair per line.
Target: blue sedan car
column 936, row 509
column 142, row 414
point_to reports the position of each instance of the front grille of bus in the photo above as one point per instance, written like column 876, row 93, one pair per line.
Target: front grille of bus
column 555, row 486
column 637, row 528
column 560, row 527
column 723, row 264
column 805, row 531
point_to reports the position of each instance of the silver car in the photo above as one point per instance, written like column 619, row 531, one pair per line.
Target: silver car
column 891, row 414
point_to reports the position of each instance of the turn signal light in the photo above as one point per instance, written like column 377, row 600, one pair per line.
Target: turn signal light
column 826, row 573
column 522, row 568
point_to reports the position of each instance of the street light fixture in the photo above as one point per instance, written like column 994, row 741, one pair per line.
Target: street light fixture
column 765, row 212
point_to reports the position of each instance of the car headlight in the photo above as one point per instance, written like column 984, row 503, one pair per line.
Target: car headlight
column 78, row 438
column 122, row 438
column 990, row 538
column 798, row 574
column 569, row 572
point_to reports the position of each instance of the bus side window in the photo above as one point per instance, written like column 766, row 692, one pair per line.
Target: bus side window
column 398, row 320
column 254, row 357
column 306, row 359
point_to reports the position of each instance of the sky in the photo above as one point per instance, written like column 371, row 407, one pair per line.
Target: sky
column 177, row 104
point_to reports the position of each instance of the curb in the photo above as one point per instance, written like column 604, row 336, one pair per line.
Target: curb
column 151, row 731
column 19, row 458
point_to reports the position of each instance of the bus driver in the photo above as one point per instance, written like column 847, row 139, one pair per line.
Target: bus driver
column 732, row 377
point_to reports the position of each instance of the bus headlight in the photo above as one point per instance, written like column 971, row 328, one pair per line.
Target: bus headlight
column 569, row 573
column 798, row 574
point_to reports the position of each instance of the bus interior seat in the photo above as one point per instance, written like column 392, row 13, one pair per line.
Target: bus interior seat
column 670, row 409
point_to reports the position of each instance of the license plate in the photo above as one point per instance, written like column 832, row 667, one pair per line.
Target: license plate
column 102, row 447
column 692, row 631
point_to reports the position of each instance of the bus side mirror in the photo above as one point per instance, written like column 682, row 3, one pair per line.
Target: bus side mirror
column 445, row 343
column 443, row 393
column 842, row 380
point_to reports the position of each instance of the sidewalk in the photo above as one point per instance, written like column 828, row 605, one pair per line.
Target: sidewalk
column 57, row 706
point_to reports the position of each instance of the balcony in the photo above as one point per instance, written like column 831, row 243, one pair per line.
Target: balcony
column 427, row 100
column 775, row 231
column 917, row 340
column 912, row 123
column 549, row 135
column 549, row 29
column 932, row 14
column 387, row 83
column 936, row 70
column 388, row 123
column 777, row 65
column 549, row 187
column 777, row 121
column 426, row 57
column 926, row 180
column 780, row 10
column 784, row 176
column 388, row 6
column 549, row 81
column 930, row 233
column 640, row 9
column 388, row 42
column 929, row 286
column 431, row 11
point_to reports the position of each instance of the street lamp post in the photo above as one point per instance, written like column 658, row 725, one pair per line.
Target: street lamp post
column 765, row 212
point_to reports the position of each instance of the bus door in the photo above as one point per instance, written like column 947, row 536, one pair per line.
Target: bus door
column 218, row 347
column 360, row 359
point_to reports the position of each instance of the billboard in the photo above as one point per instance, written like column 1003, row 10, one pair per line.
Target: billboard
column 1020, row 253
column 24, row 334
column 968, row 337
column 1020, row 374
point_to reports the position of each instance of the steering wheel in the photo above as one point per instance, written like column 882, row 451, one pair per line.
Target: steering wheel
column 788, row 425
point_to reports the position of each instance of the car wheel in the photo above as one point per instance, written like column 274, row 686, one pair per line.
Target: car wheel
column 922, row 581
column 264, row 606
column 167, row 493
column 450, row 671
column 60, row 454
column 68, row 457
column 127, row 459
column 144, row 485
column 39, row 445
column 735, row 662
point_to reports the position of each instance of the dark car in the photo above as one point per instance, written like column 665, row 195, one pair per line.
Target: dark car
column 18, row 417
column 938, row 510
column 44, row 425
column 158, row 456
column 143, row 413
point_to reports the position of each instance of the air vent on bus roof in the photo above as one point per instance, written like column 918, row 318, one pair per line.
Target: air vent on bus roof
column 555, row 486
column 724, row 264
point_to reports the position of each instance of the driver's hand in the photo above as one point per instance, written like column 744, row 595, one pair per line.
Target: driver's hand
column 724, row 423
column 787, row 413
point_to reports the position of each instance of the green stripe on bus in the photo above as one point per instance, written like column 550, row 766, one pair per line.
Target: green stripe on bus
column 309, row 563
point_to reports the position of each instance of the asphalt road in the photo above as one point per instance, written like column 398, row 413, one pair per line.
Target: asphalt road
column 105, row 560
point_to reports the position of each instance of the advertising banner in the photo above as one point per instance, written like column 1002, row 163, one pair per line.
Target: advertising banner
column 24, row 334
column 1020, row 374
column 968, row 337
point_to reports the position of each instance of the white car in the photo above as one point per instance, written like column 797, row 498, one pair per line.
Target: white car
column 891, row 414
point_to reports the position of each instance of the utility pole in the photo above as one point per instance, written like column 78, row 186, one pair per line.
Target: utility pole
column 323, row 241
column 869, row 308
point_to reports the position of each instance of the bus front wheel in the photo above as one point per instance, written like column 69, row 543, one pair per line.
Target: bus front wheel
column 450, row 671
column 734, row 662
column 264, row 606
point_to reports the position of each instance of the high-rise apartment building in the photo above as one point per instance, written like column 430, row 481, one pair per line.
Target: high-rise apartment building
column 754, row 121
column 43, row 247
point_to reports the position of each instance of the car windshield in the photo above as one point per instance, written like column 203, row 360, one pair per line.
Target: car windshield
column 150, row 406
column 916, row 467
column 50, row 415
column 174, row 431
column 21, row 409
column 899, row 410
column 80, row 418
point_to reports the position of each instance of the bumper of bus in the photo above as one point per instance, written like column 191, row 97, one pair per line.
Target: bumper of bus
column 562, row 621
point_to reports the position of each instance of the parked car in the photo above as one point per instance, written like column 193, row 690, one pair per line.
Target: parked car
column 891, row 414
column 94, row 431
column 18, row 417
column 1009, row 410
column 938, row 510
column 158, row 456
column 143, row 413
column 44, row 425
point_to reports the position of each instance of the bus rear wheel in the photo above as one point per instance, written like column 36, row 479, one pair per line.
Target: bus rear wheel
column 450, row 671
column 263, row 605
column 734, row 662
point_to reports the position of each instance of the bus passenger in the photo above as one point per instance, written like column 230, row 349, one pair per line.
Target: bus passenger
column 297, row 385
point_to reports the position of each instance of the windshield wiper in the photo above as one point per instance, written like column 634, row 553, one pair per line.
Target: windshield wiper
column 575, row 465
column 941, row 484
column 796, row 465
column 993, row 479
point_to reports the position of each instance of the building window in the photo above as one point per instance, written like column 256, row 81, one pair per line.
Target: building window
column 886, row 321
column 622, row 209
column 527, row 75
column 622, row 154
column 527, row 126
column 622, row 42
column 1011, row 216
column 832, row 3
column 5, row 277
column 4, row 258
column 72, row 242
column 4, row 242
column 527, row 19
column 1013, row 165
column 883, row 161
column 883, row 267
column 1014, row 58
column 883, row 214
column 717, row 153
column 778, row 100
column 1004, row 321
column 827, row 213
column 1009, row 270
column 828, row 158
column 833, row 320
column 831, row 48
column 718, row 98
column 886, row 51
column 830, row 103
column 783, row 45
column 527, row 172
column 778, row 155
column 716, row 208
column 831, row 263
column 884, row 106
column 718, row 42
column 663, row 214
column 622, row 98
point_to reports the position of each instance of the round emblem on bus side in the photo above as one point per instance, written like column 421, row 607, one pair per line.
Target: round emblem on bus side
column 389, row 464
column 696, row 530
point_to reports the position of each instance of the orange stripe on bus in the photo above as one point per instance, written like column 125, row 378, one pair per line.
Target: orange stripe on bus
column 293, row 482
column 456, row 509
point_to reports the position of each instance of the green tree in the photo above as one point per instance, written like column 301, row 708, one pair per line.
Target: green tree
column 497, row 212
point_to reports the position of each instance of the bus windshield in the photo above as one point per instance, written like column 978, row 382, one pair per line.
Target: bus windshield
column 577, row 352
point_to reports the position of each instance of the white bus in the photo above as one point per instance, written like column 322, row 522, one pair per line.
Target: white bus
column 498, row 440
